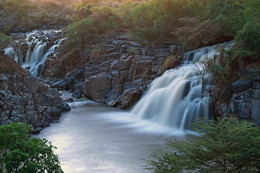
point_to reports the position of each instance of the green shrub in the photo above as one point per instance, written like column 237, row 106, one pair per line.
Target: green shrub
column 125, row 12
column 79, row 32
column 226, row 145
column 147, row 33
column 102, row 20
column 132, row 51
column 250, row 36
column 19, row 153
column 7, row 29
column 81, row 11
column 143, row 15
column 13, row 5
column 106, row 19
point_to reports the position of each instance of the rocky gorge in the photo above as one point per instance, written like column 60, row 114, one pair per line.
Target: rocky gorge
column 116, row 70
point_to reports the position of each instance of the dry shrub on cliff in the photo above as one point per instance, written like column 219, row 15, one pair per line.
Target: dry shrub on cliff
column 9, row 66
column 170, row 62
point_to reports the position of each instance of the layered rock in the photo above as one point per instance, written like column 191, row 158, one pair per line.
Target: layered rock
column 24, row 99
column 117, row 72
column 246, row 99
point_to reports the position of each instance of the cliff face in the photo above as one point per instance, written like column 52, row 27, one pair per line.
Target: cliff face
column 24, row 99
column 246, row 100
column 116, row 71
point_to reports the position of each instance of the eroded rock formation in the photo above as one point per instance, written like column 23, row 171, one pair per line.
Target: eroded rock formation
column 24, row 99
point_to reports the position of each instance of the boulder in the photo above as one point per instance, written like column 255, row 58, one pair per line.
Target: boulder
column 130, row 97
column 96, row 87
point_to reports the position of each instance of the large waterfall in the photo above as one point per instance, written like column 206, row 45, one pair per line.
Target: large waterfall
column 175, row 99
column 37, row 52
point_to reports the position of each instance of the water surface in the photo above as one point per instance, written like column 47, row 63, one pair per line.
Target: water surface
column 93, row 138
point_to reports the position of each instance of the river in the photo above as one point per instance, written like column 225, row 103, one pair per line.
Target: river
column 93, row 138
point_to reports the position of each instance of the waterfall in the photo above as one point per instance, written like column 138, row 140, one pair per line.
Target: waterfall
column 175, row 98
column 35, row 60
column 37, row 52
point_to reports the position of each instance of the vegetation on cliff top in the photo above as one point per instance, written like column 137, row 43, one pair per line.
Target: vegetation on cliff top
column 168, row 20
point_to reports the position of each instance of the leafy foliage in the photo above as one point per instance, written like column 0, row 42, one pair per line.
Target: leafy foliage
column 227, row 145
column 103, row 19
column 250, row 36
column 20, row 154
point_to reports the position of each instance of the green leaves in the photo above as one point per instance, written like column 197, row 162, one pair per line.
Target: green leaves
column 226, row 145
column 20, row 154
column 250, row 36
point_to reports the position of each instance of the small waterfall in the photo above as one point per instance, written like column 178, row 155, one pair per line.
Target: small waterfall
column 35, row 60
column 175, row 99
column 37, row 52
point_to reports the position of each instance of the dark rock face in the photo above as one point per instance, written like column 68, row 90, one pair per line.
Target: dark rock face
column 241, row 85
column 97, row 86
column 119, row 73
column 120, row 82
column 246, row 103
column 24, row 99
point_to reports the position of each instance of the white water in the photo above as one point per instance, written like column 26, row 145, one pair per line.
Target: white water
column 175, row 99
column 35, row 57
column 35, row 60
column 93, row 138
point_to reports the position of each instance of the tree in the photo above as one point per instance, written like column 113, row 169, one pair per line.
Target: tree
column 226, row 145
column 20, row 154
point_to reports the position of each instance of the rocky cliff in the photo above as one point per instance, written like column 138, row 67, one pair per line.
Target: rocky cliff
column 116, row 71
column 24, row 99
column 246, row 99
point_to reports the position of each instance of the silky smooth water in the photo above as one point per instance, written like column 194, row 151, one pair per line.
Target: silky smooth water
column 176, row 98
column 93, row 138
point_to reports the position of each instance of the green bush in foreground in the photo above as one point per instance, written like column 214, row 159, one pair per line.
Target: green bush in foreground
column 20, row 154
column 227, row 145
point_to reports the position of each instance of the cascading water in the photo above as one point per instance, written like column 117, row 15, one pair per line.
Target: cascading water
column 37, row 52
column 35, row 60
column 175, row 99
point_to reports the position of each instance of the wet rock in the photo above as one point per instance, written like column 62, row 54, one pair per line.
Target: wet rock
column 130, row 97
column 76, row 94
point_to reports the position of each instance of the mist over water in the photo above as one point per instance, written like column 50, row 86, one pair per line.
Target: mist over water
column 93, row 138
